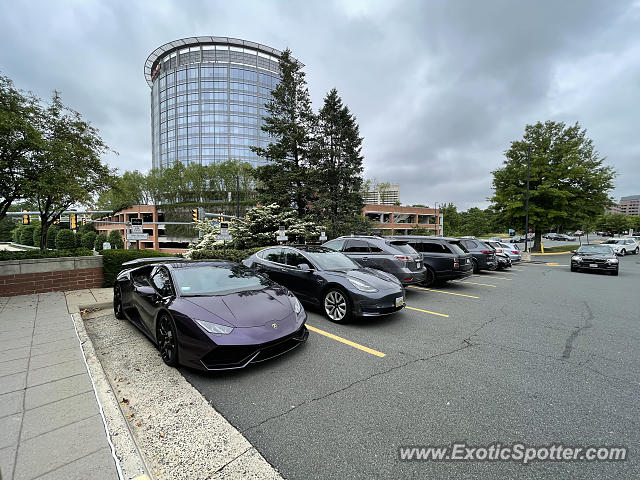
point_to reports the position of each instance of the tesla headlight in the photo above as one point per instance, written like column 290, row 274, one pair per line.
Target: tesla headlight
column 362, row 286
column 295, row 304
column 612, row 260
column 215, row 328
column 577, row 258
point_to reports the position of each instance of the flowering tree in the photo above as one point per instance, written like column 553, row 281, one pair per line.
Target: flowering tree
column 260, row 229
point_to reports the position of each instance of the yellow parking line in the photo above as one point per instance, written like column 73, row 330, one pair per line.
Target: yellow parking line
column 442, row 291
column 346, row 342
column 492, row 277
column 427, row 311
column 475, row 283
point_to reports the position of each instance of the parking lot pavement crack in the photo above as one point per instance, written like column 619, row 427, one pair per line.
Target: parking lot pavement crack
column 465, row 344
column 230, row 461
column 568, row 346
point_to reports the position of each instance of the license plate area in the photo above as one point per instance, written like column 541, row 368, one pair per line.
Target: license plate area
column 593, row 265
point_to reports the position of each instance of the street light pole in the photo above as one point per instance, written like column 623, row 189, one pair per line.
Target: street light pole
column 526, row 227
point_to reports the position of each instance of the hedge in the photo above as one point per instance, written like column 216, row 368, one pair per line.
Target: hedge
column 65, row 240
column 25, row 254
column 99, row 241
column 88, row 239
column 112, row 261
column 228, row 254
column 115, row 239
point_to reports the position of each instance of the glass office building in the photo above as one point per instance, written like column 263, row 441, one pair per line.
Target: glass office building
column 208, row 97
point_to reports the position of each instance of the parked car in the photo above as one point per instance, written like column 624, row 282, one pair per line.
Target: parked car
column 330, row 280
column 560, row 237
column 444, row 258
column 211, row 315
column 595, row 257
column 392, row 256
column 503, row 249
column 504, row 261
column 484, row 256
column 622, row 246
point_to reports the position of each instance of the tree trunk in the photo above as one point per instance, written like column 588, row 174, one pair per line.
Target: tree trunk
column 537, row 240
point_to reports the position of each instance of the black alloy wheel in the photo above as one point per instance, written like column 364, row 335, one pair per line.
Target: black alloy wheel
column 623, row 252
column 475, row 265
column 430, row 277
column 118, row 311
column 168, row 340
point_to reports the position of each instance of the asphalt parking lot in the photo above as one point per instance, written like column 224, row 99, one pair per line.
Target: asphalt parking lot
column 537, row 355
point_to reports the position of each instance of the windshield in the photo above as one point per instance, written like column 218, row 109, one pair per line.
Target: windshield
column 216, row 280
column 332, row 260
column 457, row 248
column 613, row 242
column 404, row 248
column 595, row 249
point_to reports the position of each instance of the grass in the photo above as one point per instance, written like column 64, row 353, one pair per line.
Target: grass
column 561, row 248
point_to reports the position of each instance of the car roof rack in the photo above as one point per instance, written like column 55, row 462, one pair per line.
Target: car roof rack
column 153, row 259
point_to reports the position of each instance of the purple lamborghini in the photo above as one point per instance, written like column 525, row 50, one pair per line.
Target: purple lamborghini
column 211, row 315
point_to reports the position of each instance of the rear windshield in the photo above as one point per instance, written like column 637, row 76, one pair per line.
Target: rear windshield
column 404, row 248
column 457, row 247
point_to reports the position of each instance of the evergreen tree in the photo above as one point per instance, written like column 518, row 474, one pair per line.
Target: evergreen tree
column 290, row 124
column 337, row 166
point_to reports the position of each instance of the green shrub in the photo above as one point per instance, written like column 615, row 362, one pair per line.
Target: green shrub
column 15, row 234
column 26, row 235
column 112, row 261
column 86, row 228
column 88, row 240
column 220, row 254
column 115, row 240
column 51, row 236
column 100, row 239
column 65, row 240
column 6, row 229
column 43, row 254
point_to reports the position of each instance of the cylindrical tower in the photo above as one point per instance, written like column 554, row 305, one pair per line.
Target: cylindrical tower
column 207, row 99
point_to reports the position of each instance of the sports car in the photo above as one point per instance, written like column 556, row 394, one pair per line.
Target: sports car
column 209, row 315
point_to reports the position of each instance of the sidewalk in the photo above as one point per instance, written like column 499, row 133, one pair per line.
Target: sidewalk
column 50, row 421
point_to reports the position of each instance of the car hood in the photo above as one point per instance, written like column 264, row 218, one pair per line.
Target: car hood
column 596, row 256
column 251, row 308
column 375, row 278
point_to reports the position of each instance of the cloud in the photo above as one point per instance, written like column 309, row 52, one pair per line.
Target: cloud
column 440, row 89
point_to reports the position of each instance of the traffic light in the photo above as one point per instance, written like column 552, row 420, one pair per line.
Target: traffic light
column 84, row 221
column 195, row 214
column 73, row 221
column 25, row 219
column 56, row 221
column 221, row 218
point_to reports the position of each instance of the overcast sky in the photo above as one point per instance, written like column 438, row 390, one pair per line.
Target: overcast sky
column 439, row 88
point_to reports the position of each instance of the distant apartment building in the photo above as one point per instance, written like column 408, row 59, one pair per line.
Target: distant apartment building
column 383, row 194
column 396, row 220
column 159, row 238
column 630, row 205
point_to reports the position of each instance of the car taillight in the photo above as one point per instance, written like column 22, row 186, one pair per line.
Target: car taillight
column 456, row 263
column 487, row 252
column 515, row 251
column 498, row 250
column 403, row 257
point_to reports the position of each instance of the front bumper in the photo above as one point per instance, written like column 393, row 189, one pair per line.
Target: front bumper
column 383, row 304
column 605, row 267
column 233, row 357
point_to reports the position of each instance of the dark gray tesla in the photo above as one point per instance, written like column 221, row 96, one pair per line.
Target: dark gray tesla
column 330, row 280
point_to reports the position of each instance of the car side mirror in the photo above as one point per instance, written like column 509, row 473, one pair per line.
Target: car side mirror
column 145, row 290
column 304, row 267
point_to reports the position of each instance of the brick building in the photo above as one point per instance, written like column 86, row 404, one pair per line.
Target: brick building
column 397, row 220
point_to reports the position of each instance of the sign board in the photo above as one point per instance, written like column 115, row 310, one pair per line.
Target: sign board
column 224, row 228
column 281, row 237
column 137, row 236
column 136, row 225
column 225, row 237
column 106, row 246
column 512, row 232
column 323, row 235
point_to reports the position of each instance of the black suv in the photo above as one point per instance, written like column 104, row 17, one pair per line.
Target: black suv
column 484, row 256
column 392, row 256
column 444, row 258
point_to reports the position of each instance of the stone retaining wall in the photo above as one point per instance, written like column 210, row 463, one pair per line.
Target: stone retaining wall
column 39, row 275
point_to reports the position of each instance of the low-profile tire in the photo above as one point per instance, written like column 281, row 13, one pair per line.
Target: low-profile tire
column 493, row 268
column 167, row 338
column 636, row 251
column 118, row 310
column 429, row 277
column 336, row 305
column 573, row 269
column 623, row 252
column 475, row 266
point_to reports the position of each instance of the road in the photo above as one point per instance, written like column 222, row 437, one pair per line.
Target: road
column 538, row 355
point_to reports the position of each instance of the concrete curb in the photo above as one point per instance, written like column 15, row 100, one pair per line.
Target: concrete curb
column 131, row 460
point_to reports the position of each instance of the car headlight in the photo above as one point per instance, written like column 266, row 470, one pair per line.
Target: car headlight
column 362, row 286
column 612, row 260
column 295, row 304
column 215, row 328
column 576, row 258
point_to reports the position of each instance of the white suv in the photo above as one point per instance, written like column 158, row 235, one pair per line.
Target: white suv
column 622, row 246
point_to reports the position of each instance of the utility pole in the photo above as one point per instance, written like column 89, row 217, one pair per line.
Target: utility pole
column 526, row 227
column 238, row 196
